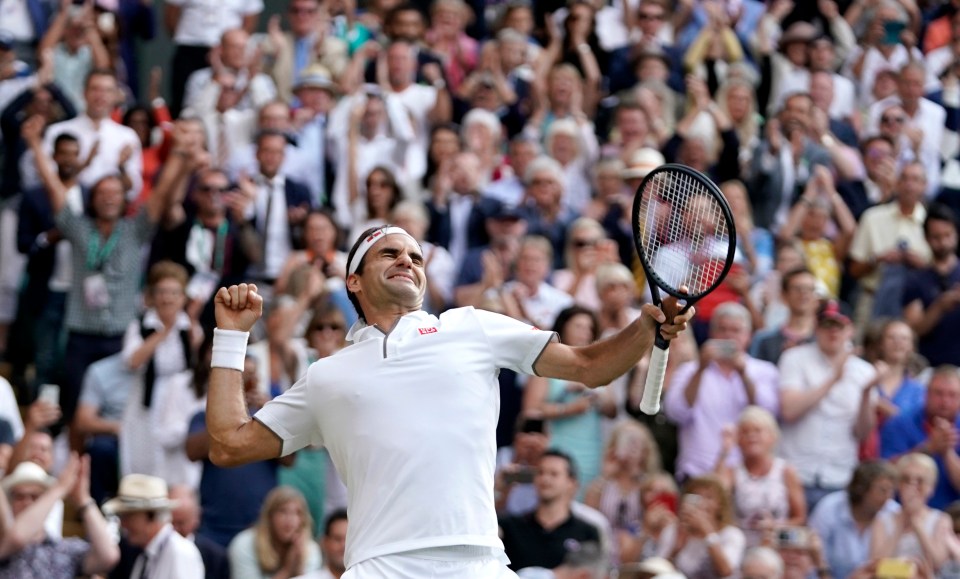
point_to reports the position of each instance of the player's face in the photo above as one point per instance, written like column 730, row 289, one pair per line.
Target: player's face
column 393, row 273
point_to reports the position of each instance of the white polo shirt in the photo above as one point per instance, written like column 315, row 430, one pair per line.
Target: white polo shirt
column 409, row 418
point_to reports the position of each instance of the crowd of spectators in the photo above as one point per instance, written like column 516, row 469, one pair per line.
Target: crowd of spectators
column 811, row 417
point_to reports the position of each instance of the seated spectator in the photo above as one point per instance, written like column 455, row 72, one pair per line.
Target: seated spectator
column 765, row 490
column 931, row 429
column 658, row 533
column 26, row 550
column 185, row 518
column 572, row 410
column 541, row 538
column 630, row 456
column 106, row 387
column 143, row 505
column 514, row 492
column 799, row 292
column 708, row 543
column 762, row 563
column 844, row 520
column 755, row 243
column 825, row 396
column 917, row 532
column 544, row 209
column 333, row 546
column 801, row 550
column 279, row 543
column 705, row 395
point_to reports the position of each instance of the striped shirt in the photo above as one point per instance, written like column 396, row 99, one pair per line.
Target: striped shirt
column 121, row 268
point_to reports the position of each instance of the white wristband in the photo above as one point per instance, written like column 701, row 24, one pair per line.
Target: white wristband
column 229, row 349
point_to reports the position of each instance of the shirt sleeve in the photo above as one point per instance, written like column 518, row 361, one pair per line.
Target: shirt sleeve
column 766, row 381
column 674, row 402
column 791, row 371
column 860, row 249
column 515, row 345
column 70, row 225
column 289, row 417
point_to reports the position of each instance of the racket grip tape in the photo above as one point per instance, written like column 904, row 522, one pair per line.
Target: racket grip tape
column 650, row 403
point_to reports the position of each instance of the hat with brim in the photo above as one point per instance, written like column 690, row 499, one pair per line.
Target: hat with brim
column 831, row 312
column 27, row 473
column 139, row 493
column 315, row 76
column 654, row 566
column 642, row 162
column 802, row 32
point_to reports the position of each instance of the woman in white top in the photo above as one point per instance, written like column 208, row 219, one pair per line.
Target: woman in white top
column 279, row 544
column 917, row 531
column 162, row 346
column 766, row 491
column 708, row 544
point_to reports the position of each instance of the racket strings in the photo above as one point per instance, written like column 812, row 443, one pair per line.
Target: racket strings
column 683, row 233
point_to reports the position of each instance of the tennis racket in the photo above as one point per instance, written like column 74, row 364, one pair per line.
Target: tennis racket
column 685, row 238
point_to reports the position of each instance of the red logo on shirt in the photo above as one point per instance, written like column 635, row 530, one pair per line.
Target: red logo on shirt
column 425, row 331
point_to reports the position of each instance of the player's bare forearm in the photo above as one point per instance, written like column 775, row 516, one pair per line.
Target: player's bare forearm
column 235, row 438
column 602, row 362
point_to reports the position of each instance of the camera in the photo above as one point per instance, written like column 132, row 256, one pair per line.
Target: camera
column 792, row 538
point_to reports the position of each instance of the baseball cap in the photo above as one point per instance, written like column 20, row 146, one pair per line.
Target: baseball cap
column 832, row 312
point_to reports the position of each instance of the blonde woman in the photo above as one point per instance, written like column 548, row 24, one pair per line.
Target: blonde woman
column 738, row 99
column 766, row 491
column 917, row 531
column 279, row 545
column 586, row 248
column 629, row 457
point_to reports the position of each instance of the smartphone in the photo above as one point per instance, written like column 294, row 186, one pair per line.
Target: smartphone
column 892, row 30
column 895, row 568
column 726, row 349
column 523, row 475
column 532, row 425
column 49, row 393
column 690, row 501
column 792, row 538
column 668, row 500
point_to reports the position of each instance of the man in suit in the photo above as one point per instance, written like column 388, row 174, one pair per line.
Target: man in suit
column 278, row 210
column 307, row 43
column 185, row 518
column 44, row 298
column 458, row 211
column 784, row 160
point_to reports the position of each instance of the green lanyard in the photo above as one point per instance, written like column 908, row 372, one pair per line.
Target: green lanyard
column 219, row 248
column 96, row 255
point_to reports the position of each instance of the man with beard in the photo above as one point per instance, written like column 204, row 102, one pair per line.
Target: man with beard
column 932, row 294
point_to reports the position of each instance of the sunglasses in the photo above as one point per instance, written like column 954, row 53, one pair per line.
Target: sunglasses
column 212, row 189
column 648, row 16
column 892, row 119
column 584, row 243
column 322, row 327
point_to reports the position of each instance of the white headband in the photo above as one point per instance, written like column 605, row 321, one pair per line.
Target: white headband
column 370, row 240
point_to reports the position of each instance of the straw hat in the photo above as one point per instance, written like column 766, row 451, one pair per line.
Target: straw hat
column 140, row 492
column 27, row 473
column 642, row 162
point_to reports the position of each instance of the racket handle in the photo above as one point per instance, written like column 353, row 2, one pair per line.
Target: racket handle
column 650, row 404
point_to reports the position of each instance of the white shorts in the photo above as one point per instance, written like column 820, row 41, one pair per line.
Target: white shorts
column 409, row 566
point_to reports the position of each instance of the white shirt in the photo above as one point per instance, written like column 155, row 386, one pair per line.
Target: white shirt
column 273, row 224
column 202, row 92
column 15, row 20
column 821, row 445
column 61, row 280
column 929, row 118
column 9, row 410
column 419, row 100
column 202, row 22
column 113, row 137
column 169, row 555
column 543, row 307
column 881, row 228
column 412, row 434
column 937, row 61
column 296, row 165
column 873, row 63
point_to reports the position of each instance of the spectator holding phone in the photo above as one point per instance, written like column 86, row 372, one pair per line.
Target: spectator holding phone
column 708, row 543
column 917, row 531
column 765, row 489
column 709, row 393
column 513, row 482
column 658, row 532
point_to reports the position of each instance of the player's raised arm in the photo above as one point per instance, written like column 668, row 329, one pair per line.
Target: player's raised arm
column 235, row 438
column 600, row 363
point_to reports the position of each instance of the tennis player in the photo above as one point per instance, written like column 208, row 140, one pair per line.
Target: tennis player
column 408, row 411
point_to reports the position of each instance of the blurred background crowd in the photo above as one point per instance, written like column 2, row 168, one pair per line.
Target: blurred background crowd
column 810, row 418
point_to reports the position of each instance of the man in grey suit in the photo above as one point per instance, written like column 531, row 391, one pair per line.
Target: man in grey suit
column 784, row 160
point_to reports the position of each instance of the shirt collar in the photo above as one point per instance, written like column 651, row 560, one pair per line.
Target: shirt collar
column 152, row 320
column 360, row 331
column 158, row 541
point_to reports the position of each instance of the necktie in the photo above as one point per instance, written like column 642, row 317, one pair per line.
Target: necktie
column 143, row 569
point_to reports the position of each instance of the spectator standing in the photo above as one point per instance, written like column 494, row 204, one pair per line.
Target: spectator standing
column 196, row 26
column 799, row 290
column 707, row 394
column 932, row 294
column 76, row 47
column 826, row 404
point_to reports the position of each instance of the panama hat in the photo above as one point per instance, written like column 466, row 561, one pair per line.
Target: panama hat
column 140, row 492
column 28, row 473
column 642, row 162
